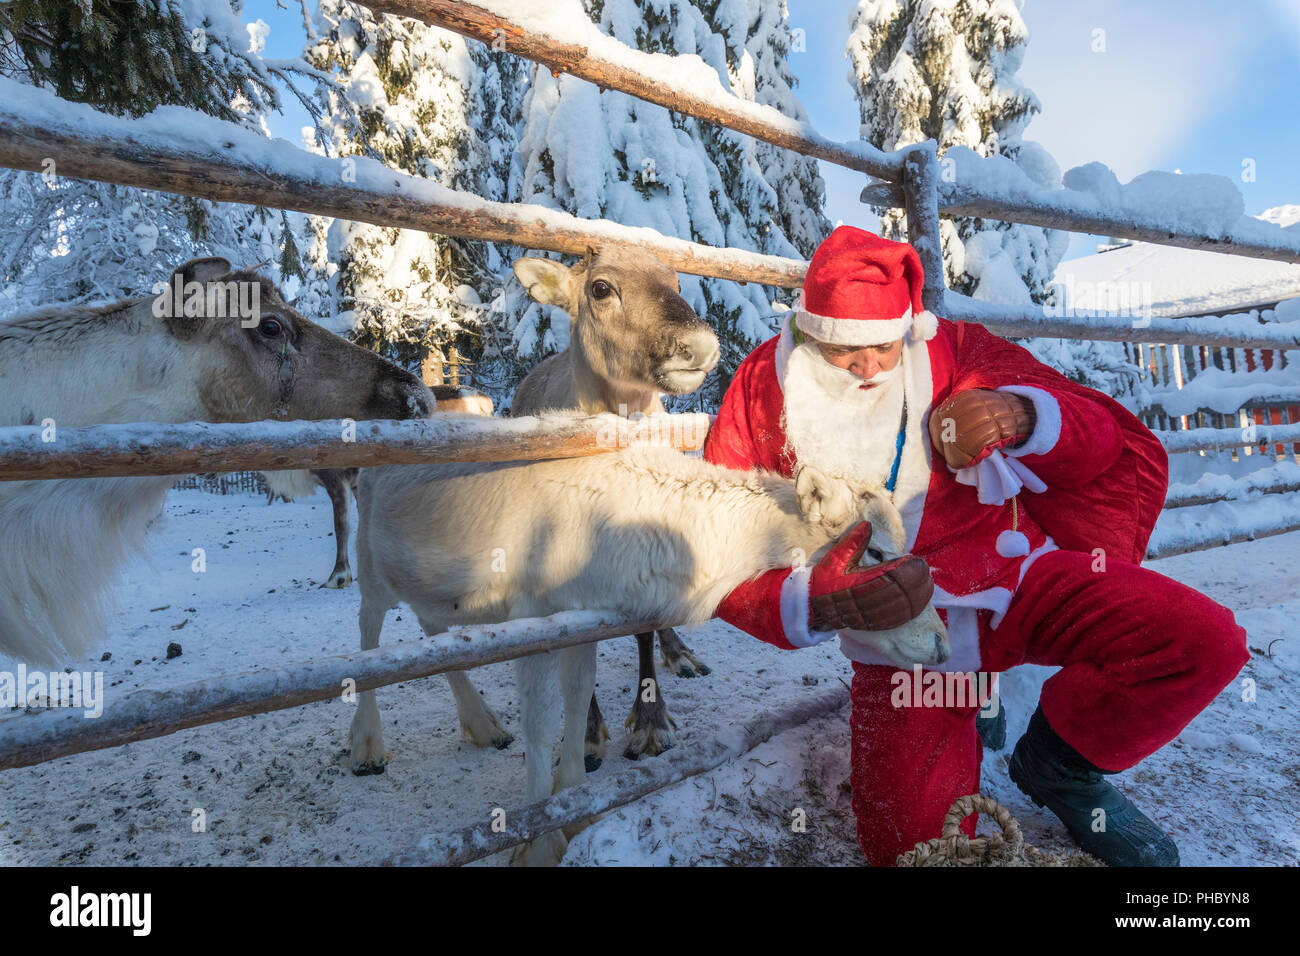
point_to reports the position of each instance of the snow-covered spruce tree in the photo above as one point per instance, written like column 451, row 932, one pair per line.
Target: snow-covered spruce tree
column 430, row 103
column 758, row 41
column 946, row 70
column 71, row 240
column 609, row 155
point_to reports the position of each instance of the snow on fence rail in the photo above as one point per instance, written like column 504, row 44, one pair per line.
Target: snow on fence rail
column 686, row 84
column 1201, row 330
column 151, row 448
column 28, row 739
column 1224, row 439
column 180, row 151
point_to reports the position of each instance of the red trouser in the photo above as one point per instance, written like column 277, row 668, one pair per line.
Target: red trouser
column 1140, row 656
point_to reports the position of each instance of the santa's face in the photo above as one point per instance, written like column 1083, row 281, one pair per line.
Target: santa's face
column 843, row 407
column 867, row 362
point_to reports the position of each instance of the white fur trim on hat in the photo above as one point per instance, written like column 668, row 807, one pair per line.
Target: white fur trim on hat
column 824, row 328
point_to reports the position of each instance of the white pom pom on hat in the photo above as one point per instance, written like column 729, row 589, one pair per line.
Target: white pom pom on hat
column 925, row 326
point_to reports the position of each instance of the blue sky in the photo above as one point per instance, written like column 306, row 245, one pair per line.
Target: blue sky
column 1195, row 85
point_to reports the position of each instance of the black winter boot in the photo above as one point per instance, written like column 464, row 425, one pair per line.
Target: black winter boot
column 993, row 730
column 1055, row 775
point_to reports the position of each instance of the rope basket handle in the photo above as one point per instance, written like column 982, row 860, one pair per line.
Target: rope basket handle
column 978, row 803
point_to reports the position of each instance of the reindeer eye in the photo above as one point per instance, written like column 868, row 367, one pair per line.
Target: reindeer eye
column 876, row 553
column 271, row 328
column 600, row 289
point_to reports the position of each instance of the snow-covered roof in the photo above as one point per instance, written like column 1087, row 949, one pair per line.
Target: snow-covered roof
column 1178, row 282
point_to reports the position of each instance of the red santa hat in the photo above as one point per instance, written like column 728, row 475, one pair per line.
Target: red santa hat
column 861, row 289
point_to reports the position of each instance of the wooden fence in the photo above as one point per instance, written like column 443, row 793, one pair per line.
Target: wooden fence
column 225, row 163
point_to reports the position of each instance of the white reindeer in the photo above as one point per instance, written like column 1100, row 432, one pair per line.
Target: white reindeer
column 647, row 532
column 633, row 339
column 163, row 358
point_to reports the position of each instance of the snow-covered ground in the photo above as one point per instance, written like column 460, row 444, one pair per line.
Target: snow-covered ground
column 275, row 788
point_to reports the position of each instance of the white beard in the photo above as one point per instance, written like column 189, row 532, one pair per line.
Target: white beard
column 834, row 424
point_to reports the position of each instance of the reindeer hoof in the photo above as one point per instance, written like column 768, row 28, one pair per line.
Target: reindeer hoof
column 652, row 732
column 597, row 737
column 685, row 664
column 487, row 732
column 339, row 580
column 547, row 850
column 369, row 756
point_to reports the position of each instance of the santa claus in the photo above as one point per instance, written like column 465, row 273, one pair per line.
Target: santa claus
column 1031, row 499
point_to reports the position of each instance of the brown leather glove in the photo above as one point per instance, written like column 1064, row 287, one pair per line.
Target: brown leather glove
column 979, row 420
column 875, row 598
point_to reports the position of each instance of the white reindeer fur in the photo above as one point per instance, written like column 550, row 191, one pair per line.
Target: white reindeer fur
column 62, row 542
column 648, row 532
column 297, row 483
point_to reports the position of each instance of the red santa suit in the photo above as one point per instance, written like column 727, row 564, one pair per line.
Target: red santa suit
column 1034, row 553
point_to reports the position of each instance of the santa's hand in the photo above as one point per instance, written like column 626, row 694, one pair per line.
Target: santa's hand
column 968, row 426
column 877, row 598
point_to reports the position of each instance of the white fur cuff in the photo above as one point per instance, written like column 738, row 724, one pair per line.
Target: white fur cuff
column 795, row 610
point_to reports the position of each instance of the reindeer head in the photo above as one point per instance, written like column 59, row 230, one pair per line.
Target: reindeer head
column 630, row 321
column 837, row 504
column 259, row 358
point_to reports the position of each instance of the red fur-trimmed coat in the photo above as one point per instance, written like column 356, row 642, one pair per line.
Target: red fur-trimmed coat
column 1106, row 476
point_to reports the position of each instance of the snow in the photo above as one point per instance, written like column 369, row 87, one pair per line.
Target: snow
column 687, row 75
column 1200, row 204
column 1237, row 486
column 1176, row 282
column 202, row 138
column 1223, row 390
column 1254, row 515
column 277, row 791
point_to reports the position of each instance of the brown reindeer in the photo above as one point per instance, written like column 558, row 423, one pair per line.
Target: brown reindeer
column 339, row 483
column 210, row 344
column 632, row 339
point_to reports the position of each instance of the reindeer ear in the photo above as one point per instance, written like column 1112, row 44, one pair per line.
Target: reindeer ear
column 888, row 534
column 822, row 499
column 203, row 270
column 547, row 281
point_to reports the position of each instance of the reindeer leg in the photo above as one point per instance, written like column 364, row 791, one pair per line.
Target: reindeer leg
column 678, row 658
column 336, row 486
column 596, row 737
column 367, row 737
column 652, row 725
column 577, row 683
column 478, row 724
column 540, row 725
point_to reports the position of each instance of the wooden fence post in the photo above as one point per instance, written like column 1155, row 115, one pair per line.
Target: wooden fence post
column 921, row 196
column 431, row 366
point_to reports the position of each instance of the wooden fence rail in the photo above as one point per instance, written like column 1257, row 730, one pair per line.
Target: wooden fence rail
column 561, row 48
column 226, row 163
column 150, row 448
column 28, row 739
